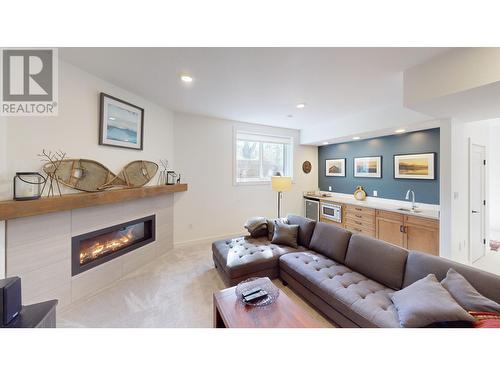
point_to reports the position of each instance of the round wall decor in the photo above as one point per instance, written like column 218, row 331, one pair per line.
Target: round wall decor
column 306, row 166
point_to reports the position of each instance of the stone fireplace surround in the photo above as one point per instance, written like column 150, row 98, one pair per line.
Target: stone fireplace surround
column 38, row 248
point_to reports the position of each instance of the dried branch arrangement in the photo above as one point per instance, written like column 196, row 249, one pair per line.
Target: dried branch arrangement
column 54, row 159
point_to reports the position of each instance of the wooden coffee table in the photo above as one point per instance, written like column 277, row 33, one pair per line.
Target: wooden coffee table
column 229, row 312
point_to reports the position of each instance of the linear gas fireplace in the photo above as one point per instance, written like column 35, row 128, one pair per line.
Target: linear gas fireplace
column 92, row 249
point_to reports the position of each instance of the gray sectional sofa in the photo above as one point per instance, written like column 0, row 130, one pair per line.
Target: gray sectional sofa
column 348, row 277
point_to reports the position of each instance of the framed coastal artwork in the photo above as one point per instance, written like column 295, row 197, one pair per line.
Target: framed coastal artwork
column 121, row 123
column 335, row 167
column 370, row 166
column 415, row 166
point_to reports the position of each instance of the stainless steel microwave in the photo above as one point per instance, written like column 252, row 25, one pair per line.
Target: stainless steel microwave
column 331, row 211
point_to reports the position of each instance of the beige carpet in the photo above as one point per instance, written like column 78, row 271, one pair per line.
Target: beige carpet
column 174, row 291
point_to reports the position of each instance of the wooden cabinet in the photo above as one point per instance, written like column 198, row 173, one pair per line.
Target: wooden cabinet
column 323, row 220
column 389, row 227
column 410, row 232
column 421, row 234
column 360, row 220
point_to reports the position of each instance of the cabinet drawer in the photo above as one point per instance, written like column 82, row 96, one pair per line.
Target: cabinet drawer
column 431, row 223
column 390, row 215
column 360, row 224
column 360, row 230
column 359, row 216
column 360, row 210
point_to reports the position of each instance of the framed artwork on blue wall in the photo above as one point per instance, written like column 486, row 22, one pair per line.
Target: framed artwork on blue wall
column 415, row 166
column 335, row 167
column 370, row 166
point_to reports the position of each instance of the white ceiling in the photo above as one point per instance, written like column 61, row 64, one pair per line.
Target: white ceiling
column 259, row 85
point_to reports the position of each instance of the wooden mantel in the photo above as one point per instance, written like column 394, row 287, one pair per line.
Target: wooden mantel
column 15, row 209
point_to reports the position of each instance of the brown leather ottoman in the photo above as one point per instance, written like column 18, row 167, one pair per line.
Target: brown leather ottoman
column 240, row 258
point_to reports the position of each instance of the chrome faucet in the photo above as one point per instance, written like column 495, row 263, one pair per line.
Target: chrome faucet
column 413, row 205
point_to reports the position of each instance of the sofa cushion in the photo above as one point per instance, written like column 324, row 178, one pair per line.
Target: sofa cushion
column 425, row 302
column 285, row 234
column 306, row 228
column 363, row 301
column 420, row 265
column 465, row 294
column 377, row 259
column 330, row 240
column 244, row 255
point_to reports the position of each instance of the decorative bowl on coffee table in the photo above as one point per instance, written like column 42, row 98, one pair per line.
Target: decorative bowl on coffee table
column 263, row 283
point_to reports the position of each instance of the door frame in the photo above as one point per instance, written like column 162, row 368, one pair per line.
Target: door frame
column 469, row 206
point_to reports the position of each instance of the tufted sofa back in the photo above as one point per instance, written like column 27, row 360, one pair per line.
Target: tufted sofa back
column 306, row 228
column 420, row 265
column 377, row 260
column 331, row 241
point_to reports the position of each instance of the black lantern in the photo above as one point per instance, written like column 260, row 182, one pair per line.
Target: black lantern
column 27, row 185
column 171, row 177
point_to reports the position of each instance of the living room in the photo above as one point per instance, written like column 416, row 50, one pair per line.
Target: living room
column 255, row 185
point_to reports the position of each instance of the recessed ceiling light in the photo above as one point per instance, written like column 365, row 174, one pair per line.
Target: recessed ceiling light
column 400, row 131
column 301, row 105
column 356, row 138
column 112, row 118
column 325, row 143
column 187, row 79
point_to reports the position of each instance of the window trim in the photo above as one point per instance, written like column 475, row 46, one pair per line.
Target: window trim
column 288, row 156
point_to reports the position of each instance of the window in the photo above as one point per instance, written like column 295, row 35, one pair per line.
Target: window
column 258, row 157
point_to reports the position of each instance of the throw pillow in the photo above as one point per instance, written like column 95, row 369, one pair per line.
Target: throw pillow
column 270, row 226
column 425, row 302
column 486, row 319
column 466, row 295
column 285, row 234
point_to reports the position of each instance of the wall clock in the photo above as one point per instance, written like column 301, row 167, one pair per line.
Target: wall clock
column 306, row 166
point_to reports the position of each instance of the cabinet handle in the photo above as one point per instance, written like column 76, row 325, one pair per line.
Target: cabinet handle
column 401, row 228
column 358, row 216
column 404, row 229
column 358, row 209
column 358, row 222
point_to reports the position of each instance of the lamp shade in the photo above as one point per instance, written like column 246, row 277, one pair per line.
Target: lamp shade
column 281, row 183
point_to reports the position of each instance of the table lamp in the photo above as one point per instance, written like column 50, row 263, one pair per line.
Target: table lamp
column 281, row 184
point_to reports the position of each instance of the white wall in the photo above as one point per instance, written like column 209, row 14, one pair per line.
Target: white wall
column 213, row 207
column 451, row 72
column 5, row 181
column 373, row 123
column 494, row 162
column 463, row 83
column 478, row 132
column 75, row 129
column 445, row 189
column 3, row 188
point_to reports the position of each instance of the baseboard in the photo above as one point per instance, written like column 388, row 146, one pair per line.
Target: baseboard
column 208, row 239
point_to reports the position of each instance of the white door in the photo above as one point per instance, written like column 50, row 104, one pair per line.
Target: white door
column 477, row 207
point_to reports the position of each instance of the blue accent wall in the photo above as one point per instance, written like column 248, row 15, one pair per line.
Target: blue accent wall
column 426, row 191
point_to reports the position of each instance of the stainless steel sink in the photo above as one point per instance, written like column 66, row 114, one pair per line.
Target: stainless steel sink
column 409, row 210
